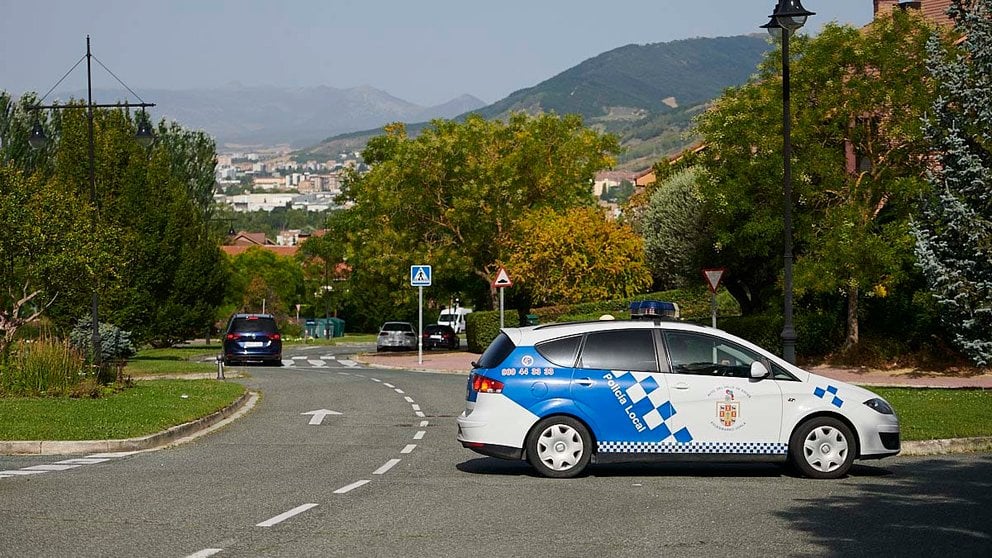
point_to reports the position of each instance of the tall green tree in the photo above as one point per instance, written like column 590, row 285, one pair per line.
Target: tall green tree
column 674, row 231
column 954, row 233
column 450, row 196
column 858, row 161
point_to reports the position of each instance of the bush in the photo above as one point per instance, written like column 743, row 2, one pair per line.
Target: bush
column 817, row 333
column 115, row 343
column 42, row 367
column 483, row 326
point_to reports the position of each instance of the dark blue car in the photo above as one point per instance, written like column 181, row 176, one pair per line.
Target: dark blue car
column 253, row 338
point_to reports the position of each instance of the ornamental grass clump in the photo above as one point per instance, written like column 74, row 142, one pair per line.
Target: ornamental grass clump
column 42, row 367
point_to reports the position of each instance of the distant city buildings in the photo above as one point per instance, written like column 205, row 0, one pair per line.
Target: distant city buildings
column 248, row 181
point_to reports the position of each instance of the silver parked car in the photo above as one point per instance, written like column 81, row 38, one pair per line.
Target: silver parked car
column 399, row 336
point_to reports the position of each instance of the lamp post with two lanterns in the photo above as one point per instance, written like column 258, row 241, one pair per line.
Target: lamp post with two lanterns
column 144, row 136
column 788, row 17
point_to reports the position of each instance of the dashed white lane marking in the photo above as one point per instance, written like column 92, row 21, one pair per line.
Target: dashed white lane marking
column 51, row 467
column 373, row 379
column 408, row 399
column 349, row 363
column 205, row 553
column 284, row 516
column 298, row 357
column 388, row 385
column 317, row 363
column 419, row 435
column 409, row 448
column 352, row 486
column 19, row 472
column 328, row 357
column 399, row 391
column 419, row 414
column 424, row 423
column 389, row 465
column 415, row 407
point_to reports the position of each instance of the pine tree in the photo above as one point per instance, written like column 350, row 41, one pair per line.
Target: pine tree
column 954, row 233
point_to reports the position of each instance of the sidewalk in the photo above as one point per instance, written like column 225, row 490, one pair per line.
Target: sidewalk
column 459, row 362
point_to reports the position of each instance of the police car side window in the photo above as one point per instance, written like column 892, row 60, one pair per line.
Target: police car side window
column 631, row 349
column 560, row 352
column 703, row 355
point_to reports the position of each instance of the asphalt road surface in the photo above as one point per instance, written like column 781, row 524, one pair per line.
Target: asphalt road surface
column 385, row 477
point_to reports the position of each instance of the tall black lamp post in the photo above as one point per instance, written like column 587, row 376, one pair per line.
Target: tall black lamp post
column 144, row 136
column 789, row 15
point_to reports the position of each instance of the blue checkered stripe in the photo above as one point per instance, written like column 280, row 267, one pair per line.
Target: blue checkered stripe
column 832, row 390
column 753, row 448
column 651, row 404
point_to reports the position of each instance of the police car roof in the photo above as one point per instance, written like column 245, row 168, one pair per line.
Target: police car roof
column 535, row 334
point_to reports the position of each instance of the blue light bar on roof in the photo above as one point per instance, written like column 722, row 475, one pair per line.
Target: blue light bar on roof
column 650, row 309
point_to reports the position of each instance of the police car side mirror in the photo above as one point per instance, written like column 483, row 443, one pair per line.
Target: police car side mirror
column 758, row 370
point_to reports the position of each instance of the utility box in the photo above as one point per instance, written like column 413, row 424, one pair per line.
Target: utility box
column 531, row 320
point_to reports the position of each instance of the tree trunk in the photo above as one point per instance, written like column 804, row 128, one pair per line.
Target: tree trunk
column 852, row 318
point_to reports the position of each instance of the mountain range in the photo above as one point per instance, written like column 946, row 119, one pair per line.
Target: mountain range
column 646, row 94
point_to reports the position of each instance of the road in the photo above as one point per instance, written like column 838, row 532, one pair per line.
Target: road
column 381, row 480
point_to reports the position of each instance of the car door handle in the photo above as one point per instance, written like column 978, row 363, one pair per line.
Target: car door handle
column 584, row 382
column 681, row 385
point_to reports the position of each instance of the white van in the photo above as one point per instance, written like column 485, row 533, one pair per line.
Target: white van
column 454, row 317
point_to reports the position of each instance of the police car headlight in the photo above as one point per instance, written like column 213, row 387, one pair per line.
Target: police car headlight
column 880, row 405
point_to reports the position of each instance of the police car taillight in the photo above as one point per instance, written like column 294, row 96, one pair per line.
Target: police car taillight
column 483, row 384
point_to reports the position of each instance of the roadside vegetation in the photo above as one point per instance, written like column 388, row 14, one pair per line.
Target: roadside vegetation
column 145, row 408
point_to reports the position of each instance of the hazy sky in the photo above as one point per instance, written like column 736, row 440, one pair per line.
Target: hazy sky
column 424, row 51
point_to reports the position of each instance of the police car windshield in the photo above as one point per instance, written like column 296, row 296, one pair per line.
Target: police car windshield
column 498, row 350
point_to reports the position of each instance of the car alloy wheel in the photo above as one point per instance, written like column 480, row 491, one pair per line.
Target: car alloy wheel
column 823, row 448
column 559, row 447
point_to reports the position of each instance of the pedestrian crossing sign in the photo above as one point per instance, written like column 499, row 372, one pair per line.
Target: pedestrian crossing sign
column 420, row 276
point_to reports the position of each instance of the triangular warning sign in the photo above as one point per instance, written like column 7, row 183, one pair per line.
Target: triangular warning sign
column 502, row 279
column 713, row 277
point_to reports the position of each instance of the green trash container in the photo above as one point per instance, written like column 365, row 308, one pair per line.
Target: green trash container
column 336, row 327
column 531, row 320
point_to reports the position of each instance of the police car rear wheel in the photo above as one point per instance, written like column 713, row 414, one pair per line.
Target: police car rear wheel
column 823, row 448
column 559, row 447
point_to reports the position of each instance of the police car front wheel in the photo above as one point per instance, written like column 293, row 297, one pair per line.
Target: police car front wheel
column 823, row 448
column 559, row 447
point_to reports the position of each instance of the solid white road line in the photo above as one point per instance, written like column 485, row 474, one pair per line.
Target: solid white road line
column 82, row 461
column 284, row 516
column 352, row 486
column 20, row 472
column 389, row 465
column 205, row 553
column 408, row 448
column 419, row 435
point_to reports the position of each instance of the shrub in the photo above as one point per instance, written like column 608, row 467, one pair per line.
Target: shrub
column 42, row 367
column 817, row 333
column 115, row 343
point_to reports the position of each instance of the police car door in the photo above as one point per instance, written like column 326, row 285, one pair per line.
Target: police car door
column 618, row 388
column 716, row 400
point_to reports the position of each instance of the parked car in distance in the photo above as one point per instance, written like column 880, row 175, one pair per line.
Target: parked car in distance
column 400, row 336
column 253, row 338
column 440, row 336
column 564, row 395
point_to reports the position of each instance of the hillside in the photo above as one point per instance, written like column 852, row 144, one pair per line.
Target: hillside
column 646, row 94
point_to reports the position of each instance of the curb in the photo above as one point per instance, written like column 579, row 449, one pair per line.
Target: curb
column 948, row 446
column 163, row 438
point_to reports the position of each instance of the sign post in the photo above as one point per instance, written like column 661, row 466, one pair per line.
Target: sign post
column 420, row 277
column 712, row 277
column 501, row 282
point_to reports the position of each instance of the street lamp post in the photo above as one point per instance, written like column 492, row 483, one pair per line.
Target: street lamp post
column 789, row 16
column 144, row 136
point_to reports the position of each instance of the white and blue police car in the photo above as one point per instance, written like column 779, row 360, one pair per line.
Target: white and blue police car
column 564, row 395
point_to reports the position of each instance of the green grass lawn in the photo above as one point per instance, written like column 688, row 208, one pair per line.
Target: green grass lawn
column 173, row 360
column 149, row 407
column 934, row 414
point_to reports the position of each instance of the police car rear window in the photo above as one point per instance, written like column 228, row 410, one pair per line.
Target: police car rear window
column 498, row 350
column 631, row 349
column 560, row 352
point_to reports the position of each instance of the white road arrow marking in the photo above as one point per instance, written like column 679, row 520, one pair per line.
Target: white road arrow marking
column 318, row 416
